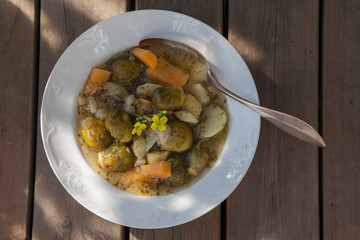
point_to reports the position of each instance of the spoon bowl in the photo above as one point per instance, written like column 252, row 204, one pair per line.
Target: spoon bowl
column 286, row 122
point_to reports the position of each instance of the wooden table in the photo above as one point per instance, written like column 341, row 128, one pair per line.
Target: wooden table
column 304, row 56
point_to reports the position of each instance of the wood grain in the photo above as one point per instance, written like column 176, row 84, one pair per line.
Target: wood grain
column 341, row 119
column 56, row 214
column 278, row 198
column 16, row 115
column 209, row 226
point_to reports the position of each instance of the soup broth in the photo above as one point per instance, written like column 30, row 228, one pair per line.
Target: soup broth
column 151, row 129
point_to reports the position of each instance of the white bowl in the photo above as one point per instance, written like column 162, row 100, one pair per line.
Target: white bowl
column 58, row 124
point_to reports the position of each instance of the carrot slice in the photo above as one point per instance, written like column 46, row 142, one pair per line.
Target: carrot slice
column 159, row 170
column 146, row 56
column 96, row 79
column 147, row 173
column 168, row 74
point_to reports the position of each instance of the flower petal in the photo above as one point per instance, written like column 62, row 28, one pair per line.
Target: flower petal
column 163, row 120
column 162, row 127
column 154, row 126
column 142, row 126
column 155, row 119
column 133, row 131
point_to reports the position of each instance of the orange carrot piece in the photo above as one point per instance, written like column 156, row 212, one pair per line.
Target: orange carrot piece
column 96, row 79
column 159, row 170
column 147, row 173
column 146, row 56
column 168, row 74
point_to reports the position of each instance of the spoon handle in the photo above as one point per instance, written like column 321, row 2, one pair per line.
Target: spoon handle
column 286, row 122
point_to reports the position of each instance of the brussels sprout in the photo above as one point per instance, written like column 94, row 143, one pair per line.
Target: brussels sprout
column 117, row 157
column 180, row 139
column 95, row 134
column 118, row 123
column 199, row 156
column 178, row 172
column 125, row 70
column 168, row 98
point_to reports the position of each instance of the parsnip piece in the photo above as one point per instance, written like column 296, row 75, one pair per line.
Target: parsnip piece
column 200, row 92
column 157, row 156
column 143, row 106
column 164, row 135
column 146, row 90
column 192, row 105
column 129, row 104
column 213, row 121
column 139, row 147
column 186, row 116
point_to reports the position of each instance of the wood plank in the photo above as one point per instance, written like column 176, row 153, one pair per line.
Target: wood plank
column 56, row 214
column 209, row 226
column 341, row 119
column 16, row 115
column 278, row 198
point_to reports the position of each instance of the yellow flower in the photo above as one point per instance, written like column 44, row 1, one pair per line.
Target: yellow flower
column 159, row 123
column 138, row 127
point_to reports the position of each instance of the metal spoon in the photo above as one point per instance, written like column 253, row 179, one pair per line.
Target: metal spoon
column 289, row 124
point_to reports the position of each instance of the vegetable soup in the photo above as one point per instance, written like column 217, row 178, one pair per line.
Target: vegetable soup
column 148, row 123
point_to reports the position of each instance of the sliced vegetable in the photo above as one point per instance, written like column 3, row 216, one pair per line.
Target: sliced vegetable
column 213, row 121
column 157, row 156
column 96, row 79
column 143, row 106
column 157, row 170
column 168, row 74
column 186, row 116
column 139, row 147
column 146, row 56
column 192, row 105
column 200, row 92
column 146, row 90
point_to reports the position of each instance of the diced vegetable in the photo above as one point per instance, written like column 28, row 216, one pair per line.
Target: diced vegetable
column 143, row 106
column 192, row 105
column 168, row 74
column 146, row 56
column 186, row 116
column 96, row 80
column 200, row 92
column 157, row 170
column 139, row 147
column 146, row 90
column 157, row 156
column 213, row 121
